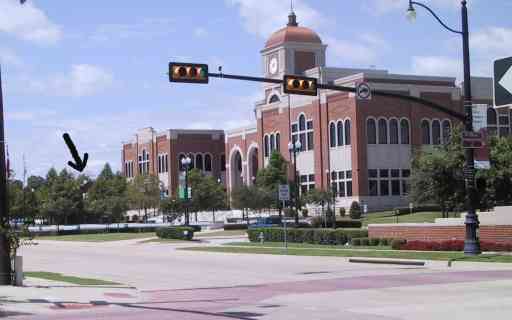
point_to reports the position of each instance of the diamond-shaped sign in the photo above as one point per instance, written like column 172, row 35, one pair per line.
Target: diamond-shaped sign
column 503, row 82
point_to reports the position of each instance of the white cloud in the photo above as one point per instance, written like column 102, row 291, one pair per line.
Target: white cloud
column 200, row 32
column 28, row 22
column 81, row 80
column 144, row 29
column 437, row 66
column 262, row 17
column 492, row 41
column 362, row 51
column 10, row 58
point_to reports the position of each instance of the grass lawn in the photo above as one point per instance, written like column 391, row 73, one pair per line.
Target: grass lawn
column 69, row 279
column 389, row 217
column 99, row 237
column 434, row 255
column 304, row 246
column 221, row 233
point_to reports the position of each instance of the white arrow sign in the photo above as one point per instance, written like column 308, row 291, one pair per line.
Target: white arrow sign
column 506, row 80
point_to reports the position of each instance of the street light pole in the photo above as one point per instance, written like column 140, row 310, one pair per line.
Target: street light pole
column 472, row 242
column 186, row 163
column 294, row 147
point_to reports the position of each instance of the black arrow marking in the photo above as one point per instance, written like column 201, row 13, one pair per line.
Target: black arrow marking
column 79, row 164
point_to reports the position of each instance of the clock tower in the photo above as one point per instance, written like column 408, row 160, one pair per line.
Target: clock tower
column 291, row 50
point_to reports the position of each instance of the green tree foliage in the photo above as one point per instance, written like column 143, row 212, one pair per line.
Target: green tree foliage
column 355, row 210
column 173, row 208
column 144, row 193
column 498, row 180
column 107, row 198
column 269, row 178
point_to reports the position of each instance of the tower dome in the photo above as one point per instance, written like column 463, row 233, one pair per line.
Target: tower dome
column 292, row 33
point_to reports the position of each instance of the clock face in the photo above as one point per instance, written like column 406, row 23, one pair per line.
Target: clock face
column 272, row 66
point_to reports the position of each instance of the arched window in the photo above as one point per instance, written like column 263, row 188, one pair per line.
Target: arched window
column 199, row 162
column 393, row 131
column 266, row 146
column 447, row 131
column 192, row 161
column 339, row 130
column 383, row 131
column 302, row 122
column 332, row 135
column 238, row 161
column 347, row 132
column 274, row 98
column 492, row 118
column 180, row 165
column 425, row 132
column 278, row 141
column 223, row 162
column 207, row 162
column 272, row 143
column 371, row 131
column 404, row 131
column 436, row 132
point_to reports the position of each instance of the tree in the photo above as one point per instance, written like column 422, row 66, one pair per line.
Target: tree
column 355, row 210
column 172, row 208
column 270, row 177
column 107, row 197
column 144, row 193
column 320, row 198
column 207, row 193
column 63, row 198
column 498, row 179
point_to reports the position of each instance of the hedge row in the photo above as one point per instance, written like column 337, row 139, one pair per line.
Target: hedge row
column 235, row 226
column 182, row 233
column 308, row 235
column 93, row 231
column 451, row 245
column 371, row 241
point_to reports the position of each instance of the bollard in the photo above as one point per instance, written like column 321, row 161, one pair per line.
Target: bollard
column 18, row 271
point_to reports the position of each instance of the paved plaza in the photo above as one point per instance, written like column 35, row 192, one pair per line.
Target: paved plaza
column 160, row 282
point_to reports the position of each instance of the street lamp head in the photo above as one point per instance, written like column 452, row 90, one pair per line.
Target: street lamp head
column 298, row 145
column 290, row 146
column 186, row 161
column 411, row 13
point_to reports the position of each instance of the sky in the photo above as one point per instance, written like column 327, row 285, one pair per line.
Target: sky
column 97, row 69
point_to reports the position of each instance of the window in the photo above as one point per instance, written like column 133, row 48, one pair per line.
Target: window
column 371, row 131
column 266, row 146
column 425, row 132
column 128, row 167
column 223, row 162
column 272, row 143
column 384, row 182
column 207, row 162
column 341, row 183
column 406, row 173
column 304, row 133
column 491, row 117
column 388, row 182
column 504, row 125
column 162, row 163
column 383, row 131
column 332, row 135
column 373, row 189
column 404, row 131
column 274, row 98
column 395, row 182
column 199, row 162
column 144, row 163
column 278, row 141
column 436, row 132
column 447, row 131
column 498, row 124
column 339, row 130
column 307, row 183
column 347, row 132
column 393, row 131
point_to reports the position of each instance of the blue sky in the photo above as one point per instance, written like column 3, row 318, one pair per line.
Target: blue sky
column 97, row 69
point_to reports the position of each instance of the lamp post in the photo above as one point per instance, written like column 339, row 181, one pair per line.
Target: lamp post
column 185, row 162
column 295, row 147
column 472, row 242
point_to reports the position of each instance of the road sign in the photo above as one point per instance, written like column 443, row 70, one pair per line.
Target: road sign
column 363, row 91
column 284, row 192
column 472, row 140
column 503, row 82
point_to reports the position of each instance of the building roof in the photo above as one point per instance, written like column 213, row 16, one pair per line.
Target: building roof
column 292, row 33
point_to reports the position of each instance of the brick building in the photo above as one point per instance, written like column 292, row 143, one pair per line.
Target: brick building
column 360, row 149
column 159, row 153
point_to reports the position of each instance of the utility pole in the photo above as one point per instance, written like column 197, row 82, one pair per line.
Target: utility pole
column 5, row 258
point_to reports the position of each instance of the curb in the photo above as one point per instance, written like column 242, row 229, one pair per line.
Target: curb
column 387, row 261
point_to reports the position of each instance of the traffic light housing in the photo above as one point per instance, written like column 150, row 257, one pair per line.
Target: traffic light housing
column 188, row 72
column 300, row 85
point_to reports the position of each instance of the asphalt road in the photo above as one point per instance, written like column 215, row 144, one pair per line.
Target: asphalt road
column 171, row 284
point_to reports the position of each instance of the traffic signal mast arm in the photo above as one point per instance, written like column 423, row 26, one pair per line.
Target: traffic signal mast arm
column 425, row 102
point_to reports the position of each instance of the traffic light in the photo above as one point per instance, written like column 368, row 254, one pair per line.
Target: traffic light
column 300, row 85
column 188, row 72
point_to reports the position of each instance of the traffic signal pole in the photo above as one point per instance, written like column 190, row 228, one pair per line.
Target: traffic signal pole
column 5, row 260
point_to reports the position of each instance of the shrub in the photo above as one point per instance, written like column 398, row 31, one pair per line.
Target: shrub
column 307, row 235
column 182, row 233
column 235, row 226
column 355, row 210
column 342, row 212
column 356, row 242
column 374, row 241
column 385, row 242
column 396, row 244
column 365, row 241
column 348, row 224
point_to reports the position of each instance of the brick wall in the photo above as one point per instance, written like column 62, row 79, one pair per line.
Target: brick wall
column 497, row 233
